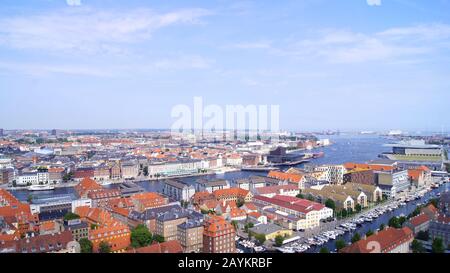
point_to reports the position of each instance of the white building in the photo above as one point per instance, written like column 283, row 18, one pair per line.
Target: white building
column 178, row 190
column 27, row 179
column 5, row 163
column 181, row 167
column 211, row 185
column 60, row 204
column 333, row 173
column 33, row 178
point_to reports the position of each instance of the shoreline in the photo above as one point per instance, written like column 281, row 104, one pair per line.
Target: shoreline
column 72, row 184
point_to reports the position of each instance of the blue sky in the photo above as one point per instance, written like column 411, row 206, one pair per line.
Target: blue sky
column 341, row 65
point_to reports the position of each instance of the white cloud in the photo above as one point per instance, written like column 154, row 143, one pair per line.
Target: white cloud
column 89, row 31
column 184, row 62
column 374, row 2
column 41, row 69
column 251, row 45
column 395, row 44
column 73, row 2
column 150, row 67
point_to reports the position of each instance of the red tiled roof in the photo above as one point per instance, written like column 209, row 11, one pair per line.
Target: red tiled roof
column 296, row 204
column 430, row 208
column 216, row 224
column 276, row 189
column 387, row 239
column 43, row 243
column 166, row 247
column 255, row 214
column 231, row 192
column 419, row 219
column 443, row 219
column 374, row 167
column 291, row 177
column 86, row 185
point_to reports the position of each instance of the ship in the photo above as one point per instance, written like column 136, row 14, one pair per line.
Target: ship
column 259, row 168
column 318, row 155
column 41, row 188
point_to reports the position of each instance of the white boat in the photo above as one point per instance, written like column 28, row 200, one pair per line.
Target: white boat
column 286, row 249
column 258, row 249
column 41, row 188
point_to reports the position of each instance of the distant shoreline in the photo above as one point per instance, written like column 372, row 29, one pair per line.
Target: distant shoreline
column 73, row 183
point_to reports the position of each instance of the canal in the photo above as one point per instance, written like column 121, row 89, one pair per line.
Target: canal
column 383, row 219
column 345, row 148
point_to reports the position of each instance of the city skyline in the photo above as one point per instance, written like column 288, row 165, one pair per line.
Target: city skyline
column 358, row 65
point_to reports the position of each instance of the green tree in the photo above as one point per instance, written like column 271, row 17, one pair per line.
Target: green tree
column 340, row 244
column 344, row 213
column 240, row 202
column 145, row 171
column 330, row 204
column 248, row 226
column 158, row 238
column 104, row 247
column 434, row 202
column 417, row 247
column 356, row 238
column 301, row 196
column 423, row 235
column 235, row 224
column 86, row 245
column 382, row 226
column 29, row 198
column 438, row 246
column 369, row 233
column 261, row 238
column 279, row 240
column 324, row 250
column 310, row 197
column 358, row 207
column 93, row 226
column 71, row 216
column 140, row 236
column 414, row 213
column 68, row 176
column 394, row 222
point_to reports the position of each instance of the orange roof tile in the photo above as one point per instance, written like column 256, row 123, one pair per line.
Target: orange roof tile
column 166, row 247
column 388, row 239
column 291, row 177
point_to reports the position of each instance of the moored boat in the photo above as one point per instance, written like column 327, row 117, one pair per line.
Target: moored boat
column 41, row 188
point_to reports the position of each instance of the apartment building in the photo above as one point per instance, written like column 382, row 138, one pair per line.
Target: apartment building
column 333, row 173
column 178, row 190
column 296, row 213
column 211, row 185
column 218, row 236
column 129, row 170
column 190, row 236
column 107, row 229
column 396, row 182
